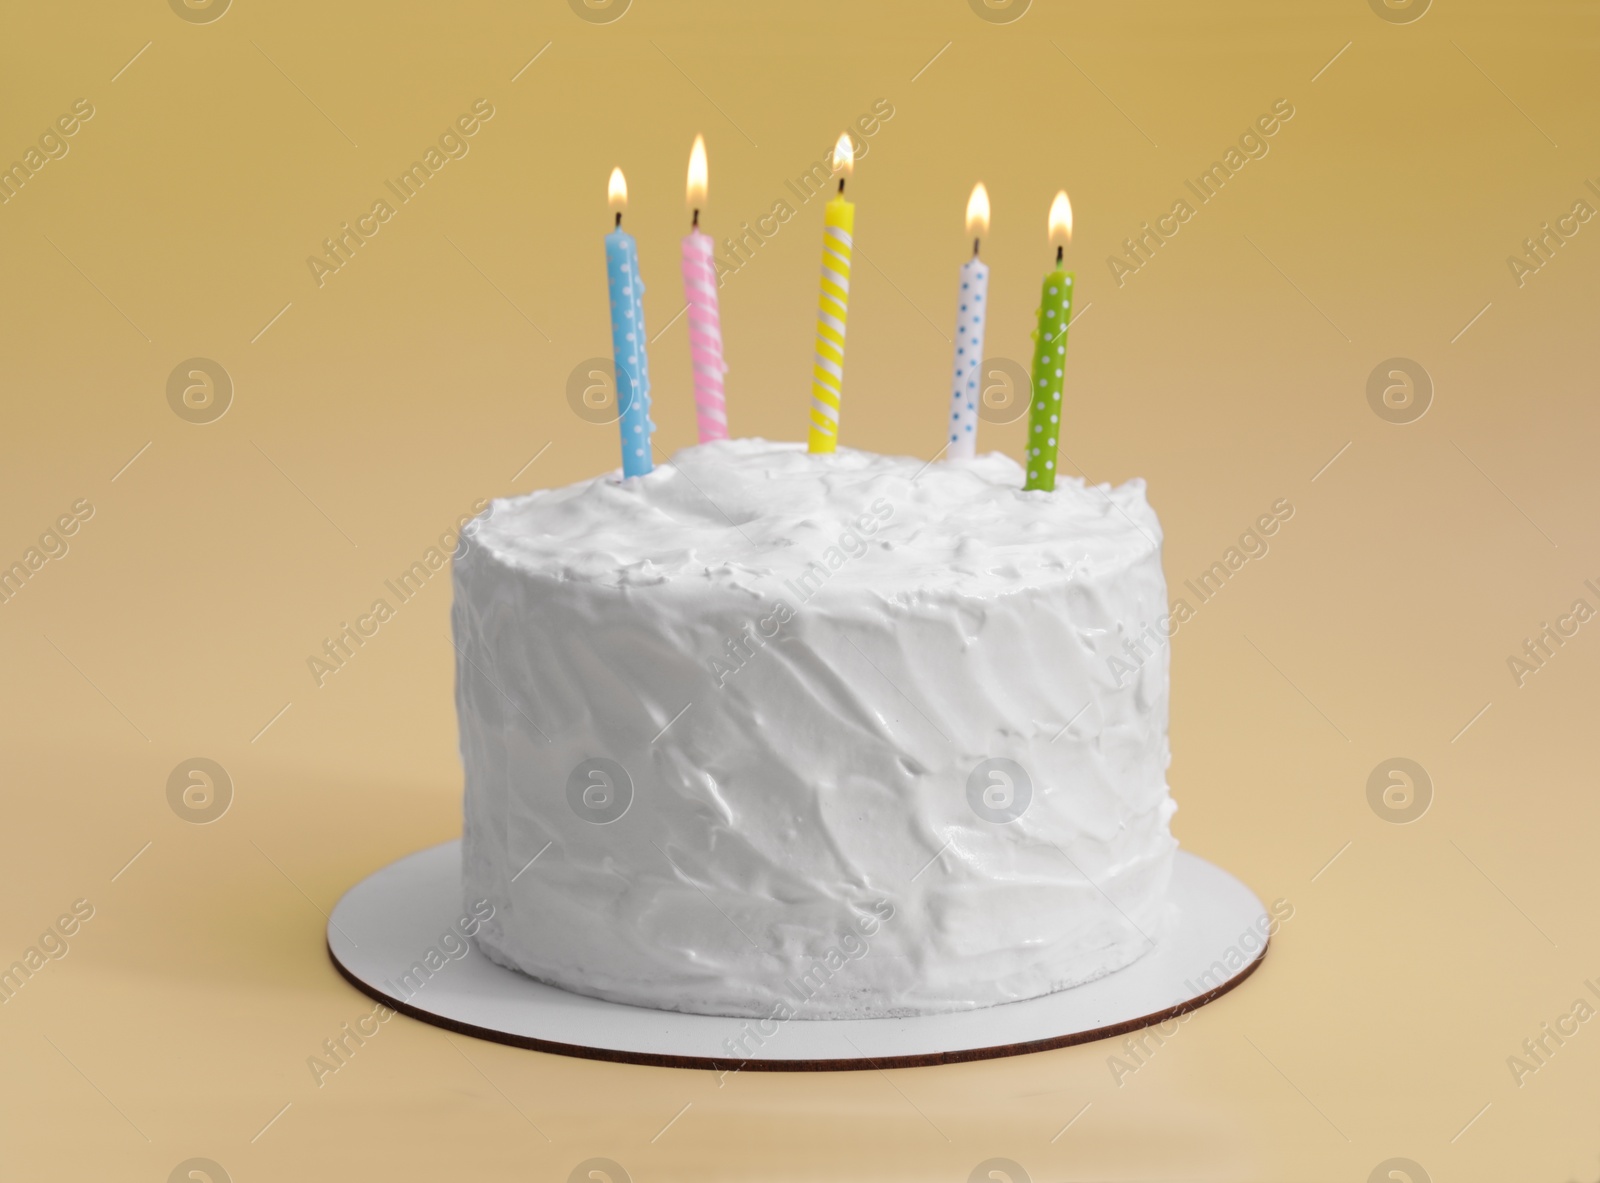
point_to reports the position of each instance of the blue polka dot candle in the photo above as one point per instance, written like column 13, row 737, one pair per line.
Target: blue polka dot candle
column 972, row 312
column 627, row 337
column 1050, row 356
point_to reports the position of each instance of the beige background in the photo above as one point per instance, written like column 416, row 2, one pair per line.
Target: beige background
column 1230, row 371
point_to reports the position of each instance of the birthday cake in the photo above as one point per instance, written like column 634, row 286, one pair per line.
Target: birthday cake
column 771, row 734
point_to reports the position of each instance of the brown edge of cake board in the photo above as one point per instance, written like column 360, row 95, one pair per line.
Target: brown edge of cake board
column 862, row 1064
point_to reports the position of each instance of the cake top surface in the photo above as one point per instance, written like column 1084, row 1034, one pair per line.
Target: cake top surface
column 744, row 512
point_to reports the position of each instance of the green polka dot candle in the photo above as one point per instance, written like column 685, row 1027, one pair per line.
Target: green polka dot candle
column 1050, row 356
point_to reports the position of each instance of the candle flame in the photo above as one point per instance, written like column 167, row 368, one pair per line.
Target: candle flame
column 1060, row 220
column 844, row 155
column 697, row 173
column 978, row 212
column 617, row 191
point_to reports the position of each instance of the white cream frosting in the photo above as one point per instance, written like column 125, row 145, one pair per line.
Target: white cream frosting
column 797, row 661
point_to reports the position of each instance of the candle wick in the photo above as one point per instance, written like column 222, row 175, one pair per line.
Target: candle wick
column 695, row 221
column 841, row 184
column 975, row 243
column 1061, row 252
column 619, row 219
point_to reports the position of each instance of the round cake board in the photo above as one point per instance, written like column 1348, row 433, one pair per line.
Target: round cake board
column 390, row 921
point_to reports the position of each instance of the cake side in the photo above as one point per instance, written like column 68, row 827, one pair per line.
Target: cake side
column 816, row 736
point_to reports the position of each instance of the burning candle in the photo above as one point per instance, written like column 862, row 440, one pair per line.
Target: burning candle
column 705, row 317
column 1050, row 355
column 833, row 307
column 627, row 336
column 971, row 313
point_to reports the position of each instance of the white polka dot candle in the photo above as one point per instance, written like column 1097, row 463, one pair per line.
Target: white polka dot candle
column 627, row 337
column 1050, row 356
column 971, row 313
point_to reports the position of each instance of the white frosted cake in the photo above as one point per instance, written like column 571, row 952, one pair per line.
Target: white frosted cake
column 766, row 733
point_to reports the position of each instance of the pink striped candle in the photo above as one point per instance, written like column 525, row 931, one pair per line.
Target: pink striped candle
column 705, row 316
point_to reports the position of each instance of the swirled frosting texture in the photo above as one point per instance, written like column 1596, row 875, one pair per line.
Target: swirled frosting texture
column 773, row 734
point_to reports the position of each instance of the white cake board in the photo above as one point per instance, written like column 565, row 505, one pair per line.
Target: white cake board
column 388, row 921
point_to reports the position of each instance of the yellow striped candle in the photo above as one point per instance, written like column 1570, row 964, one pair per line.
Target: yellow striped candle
column 833, row 307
